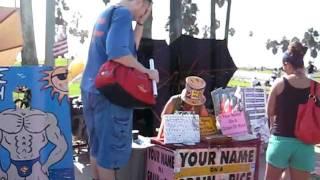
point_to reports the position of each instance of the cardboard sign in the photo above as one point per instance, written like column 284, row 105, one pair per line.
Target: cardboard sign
column 207, row 126
column 181, row 128
column 235, row 162
column 213, row 162
column 160, row 163
column 233, row 124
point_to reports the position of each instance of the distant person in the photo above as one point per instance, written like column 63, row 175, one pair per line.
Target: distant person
column 311, row 68
column 285, row 151
column 255, row 82
column 275, row 74
column 267, row 83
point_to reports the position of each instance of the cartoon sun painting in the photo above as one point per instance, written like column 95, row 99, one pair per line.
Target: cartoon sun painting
column 57, row 80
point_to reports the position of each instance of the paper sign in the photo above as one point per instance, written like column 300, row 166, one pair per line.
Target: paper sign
column 227, row 100
column 255, row 107
column 233, row 123
column 207, row 126
column 181, row 128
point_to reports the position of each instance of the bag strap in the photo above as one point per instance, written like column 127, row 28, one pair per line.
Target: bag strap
column 313, row 93
column 313, row 88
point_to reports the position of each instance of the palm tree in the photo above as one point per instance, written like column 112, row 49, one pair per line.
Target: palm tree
column 213, row 20
column 147, row 30
column 226, row 31
column 215, row 24
column 29, row 53
column 50, row 25
column 175, row 20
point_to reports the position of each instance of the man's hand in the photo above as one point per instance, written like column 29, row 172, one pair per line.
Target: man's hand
column 145, row 16
column 153, row 74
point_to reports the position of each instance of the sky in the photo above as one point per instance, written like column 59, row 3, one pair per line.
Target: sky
column 267, row 19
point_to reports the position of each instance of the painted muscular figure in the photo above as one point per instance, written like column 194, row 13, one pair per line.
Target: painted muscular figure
column 24, row 132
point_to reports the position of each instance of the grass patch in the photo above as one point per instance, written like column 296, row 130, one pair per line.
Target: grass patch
column 61, row 61
column 238, row 82
column 74, row 89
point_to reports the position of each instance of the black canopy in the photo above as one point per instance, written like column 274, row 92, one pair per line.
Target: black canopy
column 206, row 58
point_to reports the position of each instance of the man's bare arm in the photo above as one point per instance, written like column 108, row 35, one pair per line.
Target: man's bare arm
column 55, row 136
column 138, row 31
column 3, row 175
column 1, row 135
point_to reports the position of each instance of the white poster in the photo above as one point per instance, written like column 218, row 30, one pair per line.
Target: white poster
column 181, row 128
column 255, row 107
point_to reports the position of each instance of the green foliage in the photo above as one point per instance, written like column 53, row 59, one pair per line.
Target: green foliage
column 206, row 31
column 189, row 17
column 310, row 40
column 232, row 31
column 220, row 3
column 105, row 1
column 74, row 24
column 74, row 27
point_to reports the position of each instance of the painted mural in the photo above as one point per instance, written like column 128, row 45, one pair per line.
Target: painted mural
column 35, row 127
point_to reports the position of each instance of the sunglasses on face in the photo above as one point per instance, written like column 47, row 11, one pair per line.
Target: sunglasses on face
column 61, row 76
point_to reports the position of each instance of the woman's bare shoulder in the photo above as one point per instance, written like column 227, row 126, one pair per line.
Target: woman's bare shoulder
column 278, row 86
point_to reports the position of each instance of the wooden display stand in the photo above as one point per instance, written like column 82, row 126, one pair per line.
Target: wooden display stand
column 204, row 161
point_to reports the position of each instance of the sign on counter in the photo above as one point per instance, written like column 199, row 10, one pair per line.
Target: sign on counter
column 181, row 128
column 233, row 123
column 207, row 126
column 229, row 162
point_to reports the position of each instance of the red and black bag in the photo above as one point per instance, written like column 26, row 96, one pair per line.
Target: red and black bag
column 307, row 127
column 125, row 86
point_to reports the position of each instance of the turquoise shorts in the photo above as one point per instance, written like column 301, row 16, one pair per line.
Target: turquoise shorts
column 287, row 152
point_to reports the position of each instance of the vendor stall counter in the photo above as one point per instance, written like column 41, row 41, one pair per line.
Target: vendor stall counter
column 233, row 160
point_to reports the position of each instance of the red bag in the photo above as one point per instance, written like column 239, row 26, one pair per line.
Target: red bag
column 124, row 86
column 308, row 119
